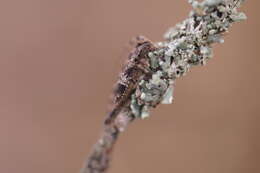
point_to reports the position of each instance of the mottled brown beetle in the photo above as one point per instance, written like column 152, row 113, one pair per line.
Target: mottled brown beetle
column 135, row 69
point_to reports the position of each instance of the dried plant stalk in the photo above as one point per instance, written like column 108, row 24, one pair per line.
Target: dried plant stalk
column 152, row 68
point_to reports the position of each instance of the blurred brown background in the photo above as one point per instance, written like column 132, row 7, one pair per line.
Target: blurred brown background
column 59, row 60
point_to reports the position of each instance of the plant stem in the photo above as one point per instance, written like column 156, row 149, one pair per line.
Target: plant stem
column 152, row 69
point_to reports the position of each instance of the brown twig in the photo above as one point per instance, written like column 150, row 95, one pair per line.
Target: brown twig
column 151, row 69
column 98, row 161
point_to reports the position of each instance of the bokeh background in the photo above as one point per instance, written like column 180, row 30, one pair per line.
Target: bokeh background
column 59, row 60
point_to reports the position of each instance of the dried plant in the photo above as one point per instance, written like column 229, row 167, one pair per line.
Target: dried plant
column 151, row 70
